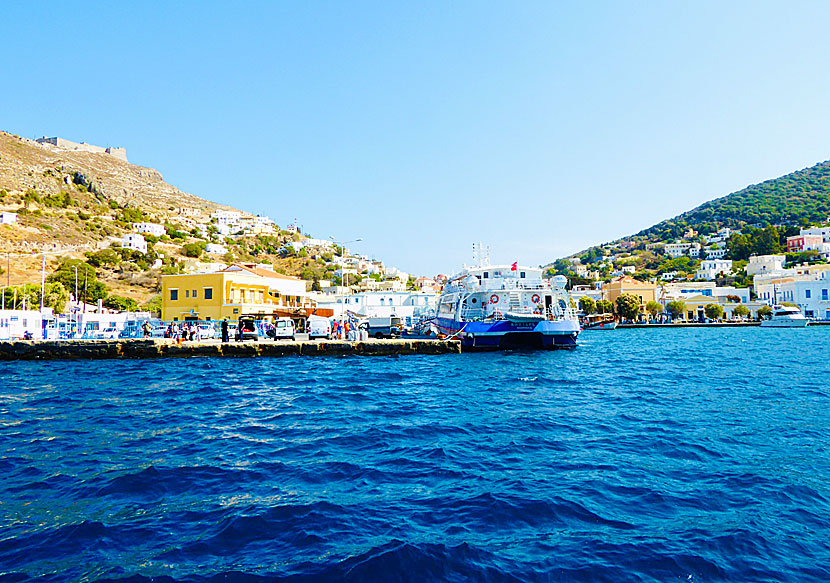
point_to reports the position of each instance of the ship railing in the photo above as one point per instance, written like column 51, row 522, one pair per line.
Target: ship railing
column 473, row 314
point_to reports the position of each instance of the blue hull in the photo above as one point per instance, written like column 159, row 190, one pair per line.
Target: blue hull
column 505, row 335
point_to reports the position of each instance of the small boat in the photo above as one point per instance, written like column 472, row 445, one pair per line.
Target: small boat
column 785, row 317
column 599, row 322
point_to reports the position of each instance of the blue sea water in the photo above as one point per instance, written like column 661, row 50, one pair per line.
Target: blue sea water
column 687, row 455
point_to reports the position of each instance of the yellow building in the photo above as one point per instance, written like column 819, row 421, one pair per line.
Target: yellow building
column 646, row 291
column 240, row 289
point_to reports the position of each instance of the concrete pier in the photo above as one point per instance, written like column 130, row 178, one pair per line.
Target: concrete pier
column 165, row 348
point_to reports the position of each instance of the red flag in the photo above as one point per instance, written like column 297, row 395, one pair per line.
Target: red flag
column 514, row 267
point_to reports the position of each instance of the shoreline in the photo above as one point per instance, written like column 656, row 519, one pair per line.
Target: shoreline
column 166, row 348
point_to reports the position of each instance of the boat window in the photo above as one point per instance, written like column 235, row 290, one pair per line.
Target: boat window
column 474, row 300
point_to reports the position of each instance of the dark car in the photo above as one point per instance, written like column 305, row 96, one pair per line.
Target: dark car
column 248, row 329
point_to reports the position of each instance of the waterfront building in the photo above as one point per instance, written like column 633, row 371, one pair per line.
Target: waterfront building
column 15, row 323
column 715, row 252
column 646, row 291
column 239, row 289
column 808, row 287
column 410, row 306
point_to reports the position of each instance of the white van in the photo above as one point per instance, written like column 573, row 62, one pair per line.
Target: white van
column 318, row 327
column 284, row 328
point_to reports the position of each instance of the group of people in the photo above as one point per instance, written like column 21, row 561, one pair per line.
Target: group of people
column 181, row 331
column 348, row 330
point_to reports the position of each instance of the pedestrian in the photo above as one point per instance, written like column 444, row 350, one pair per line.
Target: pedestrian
column 225, row 336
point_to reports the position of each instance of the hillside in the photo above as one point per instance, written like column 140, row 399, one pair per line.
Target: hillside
column 754, row 220
column 797, row 197
column 76, row 206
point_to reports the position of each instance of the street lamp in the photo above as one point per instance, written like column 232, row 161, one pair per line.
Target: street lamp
column 342, row 244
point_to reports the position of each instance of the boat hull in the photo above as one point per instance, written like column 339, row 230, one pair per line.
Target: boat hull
column 601, row 326
column 794, row 323
column 507, row 335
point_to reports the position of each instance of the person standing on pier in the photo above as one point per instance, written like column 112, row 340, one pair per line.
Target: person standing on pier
column 225, row 337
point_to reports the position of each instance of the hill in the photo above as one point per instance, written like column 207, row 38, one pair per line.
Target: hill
column 74, row 207
column 797, row 198
column 763, row 215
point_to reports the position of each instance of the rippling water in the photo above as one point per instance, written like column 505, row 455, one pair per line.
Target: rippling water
column 643, row 455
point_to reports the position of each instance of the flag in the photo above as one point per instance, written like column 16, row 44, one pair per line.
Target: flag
column 514, row 267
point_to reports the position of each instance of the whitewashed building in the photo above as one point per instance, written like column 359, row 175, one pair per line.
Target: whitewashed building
column 8, row 218
column 808, row 288
column 134, row 241
column 711, row 268
column 215, row 249
column 149, row 229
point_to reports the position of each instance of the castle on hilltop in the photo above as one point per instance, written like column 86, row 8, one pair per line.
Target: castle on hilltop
column 120, row 153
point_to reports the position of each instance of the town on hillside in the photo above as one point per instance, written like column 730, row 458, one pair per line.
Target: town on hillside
column 729, row 274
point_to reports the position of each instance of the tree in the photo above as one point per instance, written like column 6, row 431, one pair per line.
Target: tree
column 121, row 303
column 676, row 309
column 653, row 308
column 713, row 311
column 740, row 311
column 89, row 288
column 194, row 249
column 55, row 296
column 628, row 306
column 587, row 305
column 765, row 312
column 605, row 307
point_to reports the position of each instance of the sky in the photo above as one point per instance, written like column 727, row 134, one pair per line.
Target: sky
column 536, row 128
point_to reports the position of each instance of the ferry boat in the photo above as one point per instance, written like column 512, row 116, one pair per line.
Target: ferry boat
column 599, row 322
column 785, row 317
column 493, row 307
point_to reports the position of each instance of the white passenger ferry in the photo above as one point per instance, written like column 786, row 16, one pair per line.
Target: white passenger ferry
column 507, row 306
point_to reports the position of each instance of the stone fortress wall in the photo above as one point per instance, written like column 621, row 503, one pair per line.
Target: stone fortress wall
column 120, row 153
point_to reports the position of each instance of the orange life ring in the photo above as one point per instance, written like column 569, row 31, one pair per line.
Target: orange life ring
column 535, row 299
column 494, row 299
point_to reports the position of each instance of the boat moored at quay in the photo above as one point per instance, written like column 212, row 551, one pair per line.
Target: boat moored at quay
column 493, row 307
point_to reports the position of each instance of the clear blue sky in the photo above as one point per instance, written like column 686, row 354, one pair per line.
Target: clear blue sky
column 539, row 128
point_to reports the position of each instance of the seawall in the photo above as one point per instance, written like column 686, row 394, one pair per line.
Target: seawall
column 163, row 348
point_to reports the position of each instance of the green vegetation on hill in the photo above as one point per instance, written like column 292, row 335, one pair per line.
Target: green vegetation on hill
column 798, row 198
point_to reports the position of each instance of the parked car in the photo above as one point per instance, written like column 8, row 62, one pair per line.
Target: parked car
column 318, row 327
column 206, row 330
column 106, row 333
column 388, row 327
column 283, row 328
column 248, row 328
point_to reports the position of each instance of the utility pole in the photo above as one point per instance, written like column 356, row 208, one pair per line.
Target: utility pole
column 42, row 282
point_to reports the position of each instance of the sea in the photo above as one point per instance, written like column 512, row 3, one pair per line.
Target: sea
column 687, row 455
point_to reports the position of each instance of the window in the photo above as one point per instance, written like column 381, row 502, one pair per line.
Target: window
column 208, row 293
column 486, row 275
column 807, row 294
column 187, row 293
column 174, row 294
column 522, row 274
column 824, row 294
column 193, row 294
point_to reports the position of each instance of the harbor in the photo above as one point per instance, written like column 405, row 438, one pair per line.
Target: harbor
column 169, row 348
